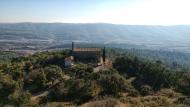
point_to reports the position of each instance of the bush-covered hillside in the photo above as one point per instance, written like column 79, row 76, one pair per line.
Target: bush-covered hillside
column 172, row 59
column 7, row 56
column 41, row 79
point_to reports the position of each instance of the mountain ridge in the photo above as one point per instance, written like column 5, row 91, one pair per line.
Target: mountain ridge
column 60, row 33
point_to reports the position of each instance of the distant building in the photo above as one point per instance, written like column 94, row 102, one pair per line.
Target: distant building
column 85, row 55
column 88, row 55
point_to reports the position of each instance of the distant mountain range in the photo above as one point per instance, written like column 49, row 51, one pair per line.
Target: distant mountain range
column 172, row 37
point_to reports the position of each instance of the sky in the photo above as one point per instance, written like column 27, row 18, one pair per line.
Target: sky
column 131, row 12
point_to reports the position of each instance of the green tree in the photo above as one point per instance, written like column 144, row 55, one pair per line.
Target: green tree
column 53, row 73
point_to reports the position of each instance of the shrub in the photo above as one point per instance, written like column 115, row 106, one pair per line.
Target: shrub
column 81, row 71
column 146, row 90
column 53, row 73
column 35, row 81
column 112, row 83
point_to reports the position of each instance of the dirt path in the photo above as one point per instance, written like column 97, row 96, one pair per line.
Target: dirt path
column 41, row 94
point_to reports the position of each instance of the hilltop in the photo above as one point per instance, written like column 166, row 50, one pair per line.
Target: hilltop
column 42, row 79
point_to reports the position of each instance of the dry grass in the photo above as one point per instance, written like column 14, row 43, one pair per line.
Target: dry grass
column 148, row 101
column 109, row 102
column 58, row 104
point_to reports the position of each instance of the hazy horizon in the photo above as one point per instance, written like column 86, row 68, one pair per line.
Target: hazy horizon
column 90, row 23
column 125, row 12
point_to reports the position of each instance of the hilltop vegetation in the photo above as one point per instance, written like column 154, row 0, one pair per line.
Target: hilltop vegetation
column 41, row 79
column 7, row 56
column 172, row 59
